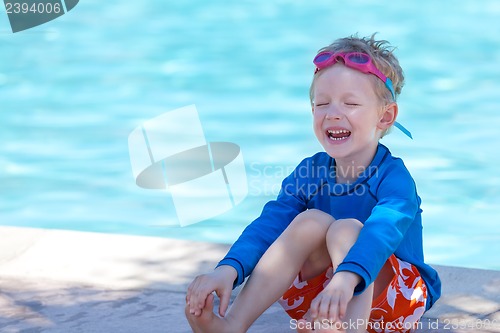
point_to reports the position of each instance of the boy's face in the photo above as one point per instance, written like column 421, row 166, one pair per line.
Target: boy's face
column 347, row 113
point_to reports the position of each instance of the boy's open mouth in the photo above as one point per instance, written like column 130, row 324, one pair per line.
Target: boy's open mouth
column 337, row 135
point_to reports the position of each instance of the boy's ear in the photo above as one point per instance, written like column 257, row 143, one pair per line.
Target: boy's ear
column 388, row 116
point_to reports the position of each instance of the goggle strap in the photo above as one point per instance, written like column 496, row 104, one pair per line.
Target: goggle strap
column 388, row 84
column 403, row 129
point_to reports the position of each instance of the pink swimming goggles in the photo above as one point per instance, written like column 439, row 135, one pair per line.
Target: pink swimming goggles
column 360, row 62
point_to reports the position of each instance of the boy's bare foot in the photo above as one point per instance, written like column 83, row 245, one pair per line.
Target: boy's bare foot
column 208, row 321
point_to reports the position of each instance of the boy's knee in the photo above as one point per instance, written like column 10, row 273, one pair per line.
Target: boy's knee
column 313, row 220
column 345, row 229
column 316, row 216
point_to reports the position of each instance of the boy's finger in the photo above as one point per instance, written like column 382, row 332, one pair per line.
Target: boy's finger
column 200, row 299
column 342, row 306
column 314, row 307
column 324, row 307
column 201, row 303
column 197, row 300
column 189, row 292
column 191, row 295
column 208, row 309
column 224, row 302
column 333, row 310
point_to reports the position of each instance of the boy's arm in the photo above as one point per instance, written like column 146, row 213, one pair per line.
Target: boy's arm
column 275, row 217
column 382, row 233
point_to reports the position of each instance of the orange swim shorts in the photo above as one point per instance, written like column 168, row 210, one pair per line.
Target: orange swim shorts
column 397, row 309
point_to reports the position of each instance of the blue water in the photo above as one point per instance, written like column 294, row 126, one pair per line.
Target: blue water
column 73, row 89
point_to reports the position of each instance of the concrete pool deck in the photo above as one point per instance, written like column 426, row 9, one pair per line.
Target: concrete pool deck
column 67, row 281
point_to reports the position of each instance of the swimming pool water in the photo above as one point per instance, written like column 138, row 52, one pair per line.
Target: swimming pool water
column 73, row 89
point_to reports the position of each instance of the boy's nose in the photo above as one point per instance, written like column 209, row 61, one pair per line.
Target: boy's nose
column 333, row 113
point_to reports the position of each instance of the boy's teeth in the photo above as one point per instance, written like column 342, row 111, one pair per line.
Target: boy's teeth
column 338, row 131
column 338, row 134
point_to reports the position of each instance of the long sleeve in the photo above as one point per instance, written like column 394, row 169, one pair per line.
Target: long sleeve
column 385, row 228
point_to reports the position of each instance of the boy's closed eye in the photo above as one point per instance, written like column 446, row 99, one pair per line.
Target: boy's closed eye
column 352, row 104
column 348, row 103
column 321, row 104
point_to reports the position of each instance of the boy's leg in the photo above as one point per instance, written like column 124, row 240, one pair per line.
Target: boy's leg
column 339, row 239
column 303, row 240
column 341, row 236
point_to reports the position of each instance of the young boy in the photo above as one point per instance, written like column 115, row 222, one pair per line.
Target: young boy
column 341, row 246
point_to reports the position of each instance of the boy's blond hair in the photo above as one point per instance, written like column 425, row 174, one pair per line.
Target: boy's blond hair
column 382, row 57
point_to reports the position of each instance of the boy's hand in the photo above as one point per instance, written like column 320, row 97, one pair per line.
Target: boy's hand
column 220, row 280
column 332, row 302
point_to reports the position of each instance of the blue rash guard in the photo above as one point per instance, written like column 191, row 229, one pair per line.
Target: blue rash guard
column 384, row 199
